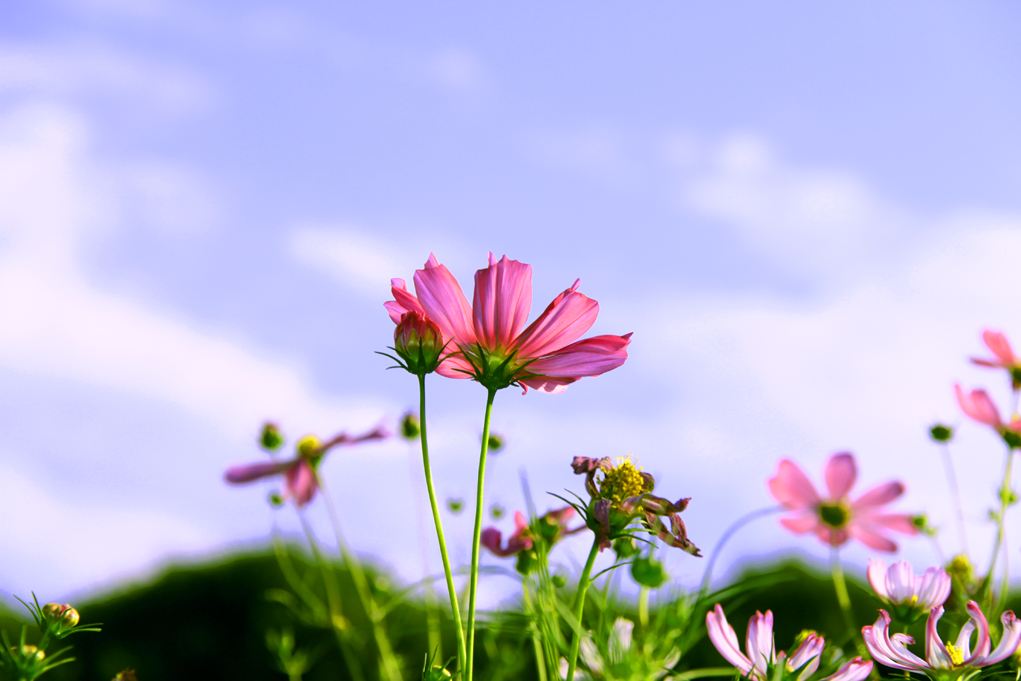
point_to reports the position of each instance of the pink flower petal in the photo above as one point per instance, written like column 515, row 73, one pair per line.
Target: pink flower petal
column 403, row 301
column 982, row 627
column 759, row 644
column 503, row 299
column 1008, row 643
column 301, row 482
column 455, row 365
column 841, row 473
column 876, row 574
column 546, row 384
column 979, row 406
column 563, row 321
column 725, row 640
column 999, row 346
column 855, row 670
column 588, row 357
column 898, row 522
column 879, row 495
column 792, row 488
column 444, row 302
column 831, row 535
column 800, row 524
column 870, row 537
column 255, row 471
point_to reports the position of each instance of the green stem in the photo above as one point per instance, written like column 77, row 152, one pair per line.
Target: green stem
column 955, row 492
column 389, row 669
column 840, row 586
column 1005, row 493
column 455, row 608
column 476, row 537
column 540, row 660
column 337, row 622
column 579, row 609
column 643, row 606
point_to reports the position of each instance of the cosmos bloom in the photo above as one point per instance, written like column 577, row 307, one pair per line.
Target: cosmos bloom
column 553, row 526
column 1003, row 355
column 300, row 481
column 891, row 650
column 900, row 587
column 488, row 340
column 761, row 662
column 834, row 518
column 980, row 407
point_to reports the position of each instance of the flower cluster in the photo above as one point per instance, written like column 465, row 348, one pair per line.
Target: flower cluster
column 548, row 529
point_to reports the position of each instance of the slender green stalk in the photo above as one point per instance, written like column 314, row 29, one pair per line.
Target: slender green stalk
column 840, row 586
column 389, row 668
column 333, row 602
column 455, row 608
column 1005, row 494
column 707, row 576
column 540, row 660
column 579, row 609
column 476, row 537
column 643, row 606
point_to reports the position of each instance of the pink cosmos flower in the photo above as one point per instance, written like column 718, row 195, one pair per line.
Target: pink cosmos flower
column 891, row 650
column 1003, row 355
column 760, row 661
column 300, row 480
column 521, row 539
column 980, row 407
column 834, row 518
column 488, row 340
column 900, row 587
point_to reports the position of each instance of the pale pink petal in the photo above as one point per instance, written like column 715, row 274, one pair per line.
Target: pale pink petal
column 933, row 588
column 807, row 655
column 563, row 321
column 301, row 482
column 900, row 581
column 454, row 365
column 898, row 522
column 832, row 535
column 792, row 488
column 800, row 524
column 403, row 301
column 502, row 301
column 255, row 471
column 841, row 473
column 935, row 650
column 982, row 643
column 588, row 357
column 854, row 670
column 883, row 650
column 978, row 405
column 999, row 346
column 878, row 496
column 1008, row 643
column 546, row 384
column 759, row 641
column 725, row 640
column 870, row 537
column 444, row 302
column 963, row 642
column 876, row 574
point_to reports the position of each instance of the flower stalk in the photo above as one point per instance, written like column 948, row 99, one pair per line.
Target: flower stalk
column 477, row 533
column 579, row 609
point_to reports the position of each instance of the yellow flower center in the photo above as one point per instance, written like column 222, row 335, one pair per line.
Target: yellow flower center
column 622, row 481
column 956, row 656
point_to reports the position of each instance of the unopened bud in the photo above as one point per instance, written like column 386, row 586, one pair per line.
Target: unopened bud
column 276, row 500
column 64, row 615
column 921, row 523
column 436, row 673
column 495, row 442
column 271, row 438
column 941, row 433
column 559, row 581
column 648, row 572
column 410, row 426
column 625, row 548
column 496, row 511
column 418, row 342
column 1012, row 438
column 309, row 447
column 455, row 505
column 29, row 653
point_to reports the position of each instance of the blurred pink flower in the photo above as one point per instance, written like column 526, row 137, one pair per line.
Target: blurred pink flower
column 760, row 659
column 488, row 340
column 980, row 407
column 300, row 478
column 898, row 585
column 835, row 518
column 521, row 539
column 1003, row 354
column 891, row 650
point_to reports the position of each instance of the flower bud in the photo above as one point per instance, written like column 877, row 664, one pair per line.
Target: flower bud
column 64, row 616
column 309, row 447
column 455, row 505
column 648, row 572
column 410, row 426
column 941, row 433
column 418, row 342
column 29, row 653
column 276, row 499
column 495, row 442
column 436, row 672
column 271, row 439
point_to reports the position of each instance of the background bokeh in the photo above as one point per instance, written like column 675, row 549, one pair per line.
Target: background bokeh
column 805, row 212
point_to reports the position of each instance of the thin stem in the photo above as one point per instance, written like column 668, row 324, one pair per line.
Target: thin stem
column 337, row 620
column 540, row 660
column 432, row 620
column 840, row 586
column 389, row 668
column 955, row 492
column 455, row 608
column 1005, row 493
column 714, row 555
column 579, row 609
column 476, row 537
column 643, row 606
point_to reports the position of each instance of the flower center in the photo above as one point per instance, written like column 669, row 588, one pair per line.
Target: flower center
column 956, row 656
column 621, row 482
column 835, row 514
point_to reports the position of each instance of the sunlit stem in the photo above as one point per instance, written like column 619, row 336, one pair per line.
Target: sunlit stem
column 337, row 622
column 955, row 492
column 389, row 668
column 540, row 658
column 579, row 609
column 840, row 586
column 1001, row 522
column 476, row 537
column 643, row 606
column 448, row 574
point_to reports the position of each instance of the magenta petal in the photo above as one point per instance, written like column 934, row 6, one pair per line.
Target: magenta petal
column 444, row 302
column 301, row 482
column 403, row 301
column 792, row 488
column 898, row 522
column 841, row 473
column 455, row 366
column 870, row 537
column 999, row 346
column 800, row 524
column 978, row 405
column 879, row 495
column 502, row 301
column 563, row 321
column 255, row 471
column 588, row 357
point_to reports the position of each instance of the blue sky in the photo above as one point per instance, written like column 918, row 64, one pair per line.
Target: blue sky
column 806, row 213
